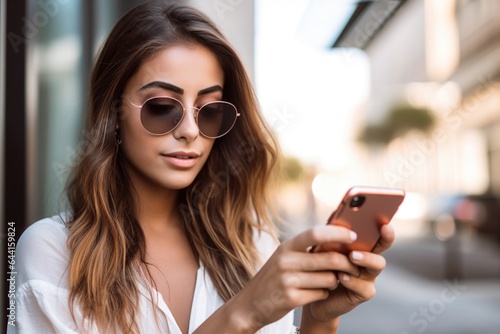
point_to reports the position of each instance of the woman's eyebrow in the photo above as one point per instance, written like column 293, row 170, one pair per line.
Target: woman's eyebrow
column 215, row 88
column 163, row 85
column 178, row 90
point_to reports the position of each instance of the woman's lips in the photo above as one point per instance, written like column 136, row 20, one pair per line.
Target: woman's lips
column 182, row 159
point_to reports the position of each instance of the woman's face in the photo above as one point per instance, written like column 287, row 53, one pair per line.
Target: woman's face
column 190, row 74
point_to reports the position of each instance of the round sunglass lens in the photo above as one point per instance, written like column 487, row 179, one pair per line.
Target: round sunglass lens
column 161, row 115
column 216, row 119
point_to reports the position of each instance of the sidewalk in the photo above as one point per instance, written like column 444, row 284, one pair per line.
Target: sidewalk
column 467, row 257
column 414, row 297
column 407, row 304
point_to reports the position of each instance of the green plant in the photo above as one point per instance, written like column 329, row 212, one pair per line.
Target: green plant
column 399, row 121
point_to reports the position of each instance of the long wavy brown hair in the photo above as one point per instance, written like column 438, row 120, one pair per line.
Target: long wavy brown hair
column 222, row 209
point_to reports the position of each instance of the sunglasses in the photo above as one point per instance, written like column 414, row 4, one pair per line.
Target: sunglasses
column 161, row 115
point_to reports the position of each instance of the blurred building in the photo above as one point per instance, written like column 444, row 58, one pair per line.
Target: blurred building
column 441, row 56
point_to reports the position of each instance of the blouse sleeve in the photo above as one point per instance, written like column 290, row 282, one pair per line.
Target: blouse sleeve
column 42, row 308
column 41, row 299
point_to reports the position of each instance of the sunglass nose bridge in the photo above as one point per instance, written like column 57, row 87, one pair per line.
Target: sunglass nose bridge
column 195, row 112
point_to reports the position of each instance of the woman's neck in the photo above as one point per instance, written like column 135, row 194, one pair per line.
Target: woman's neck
column 155, row 206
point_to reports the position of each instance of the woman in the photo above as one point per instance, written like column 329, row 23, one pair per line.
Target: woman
column 168, row 229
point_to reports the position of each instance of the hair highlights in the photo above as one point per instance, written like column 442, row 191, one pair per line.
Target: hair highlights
column 222, row 208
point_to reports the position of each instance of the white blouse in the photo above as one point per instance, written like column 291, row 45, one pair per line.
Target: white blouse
column 42, row 289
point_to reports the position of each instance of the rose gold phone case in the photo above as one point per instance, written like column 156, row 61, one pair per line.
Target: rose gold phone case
column 379, row 207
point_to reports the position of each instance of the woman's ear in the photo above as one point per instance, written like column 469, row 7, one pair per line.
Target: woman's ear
column 118, row 137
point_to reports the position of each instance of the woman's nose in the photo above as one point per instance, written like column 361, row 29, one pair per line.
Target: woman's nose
column 188, row 128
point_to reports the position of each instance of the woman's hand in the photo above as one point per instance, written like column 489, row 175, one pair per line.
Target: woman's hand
column 352, row 290
column 327, row 284
column 293, row 277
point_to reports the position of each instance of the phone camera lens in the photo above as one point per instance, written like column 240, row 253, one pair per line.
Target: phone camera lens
column 357, row 201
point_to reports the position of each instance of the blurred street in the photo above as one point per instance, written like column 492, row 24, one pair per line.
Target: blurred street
column 413, row 295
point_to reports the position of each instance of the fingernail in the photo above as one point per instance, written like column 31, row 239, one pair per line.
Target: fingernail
column 357, row 255
column 353, row 235
column 346, row 278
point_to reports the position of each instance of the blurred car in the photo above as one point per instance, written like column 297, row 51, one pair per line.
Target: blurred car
column 447, row 214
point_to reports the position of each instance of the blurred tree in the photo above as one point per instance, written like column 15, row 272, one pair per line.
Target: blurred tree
column 293, row 170
column 400, row 120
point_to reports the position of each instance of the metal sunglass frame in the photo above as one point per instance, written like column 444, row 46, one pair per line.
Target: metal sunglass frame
column 184, row 110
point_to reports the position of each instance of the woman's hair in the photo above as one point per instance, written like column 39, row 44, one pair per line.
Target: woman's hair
column 222, row 209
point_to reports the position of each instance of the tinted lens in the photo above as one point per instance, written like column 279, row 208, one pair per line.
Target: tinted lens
column 161, row 115
column 216, row 119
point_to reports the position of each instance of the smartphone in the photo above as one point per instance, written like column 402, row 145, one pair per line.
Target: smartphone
column 363, row 210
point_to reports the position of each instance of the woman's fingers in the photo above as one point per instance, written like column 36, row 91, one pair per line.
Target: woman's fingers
column 372, row 263
column 333, row 233
column 299, row 297
column 312, row 280
column 311, row 262
column 362, row 289
column 319, row 235
column 386, row 239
